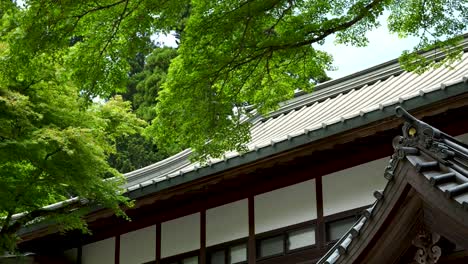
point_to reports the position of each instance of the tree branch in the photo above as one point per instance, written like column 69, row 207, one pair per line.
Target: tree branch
column 115, row 28
column 331, row 30
column 268, row 50
column 52, row 153
column 281, row 16
column 98, row 8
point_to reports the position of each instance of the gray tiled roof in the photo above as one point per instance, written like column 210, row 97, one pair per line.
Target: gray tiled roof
column 448, row 168
column 336, row 106
column 334, row 103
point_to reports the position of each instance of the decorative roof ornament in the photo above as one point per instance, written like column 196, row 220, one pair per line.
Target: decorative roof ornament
column 428, row 251
column 440, row 162
column 417, row 134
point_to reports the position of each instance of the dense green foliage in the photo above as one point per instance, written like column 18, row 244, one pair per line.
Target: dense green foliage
column 57, row 56
column 258, row 52
column 54, row 143
column 231, row 54
column 146, row 77
column 134, row 152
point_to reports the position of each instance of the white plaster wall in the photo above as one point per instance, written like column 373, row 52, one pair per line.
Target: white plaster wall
column 463, row 138
column 101, row 252
column 138, row 246
column 301, row 238
column 227, row 222
column 286, row 206
column 180, row 235
column 353, row 187
column 71, row 255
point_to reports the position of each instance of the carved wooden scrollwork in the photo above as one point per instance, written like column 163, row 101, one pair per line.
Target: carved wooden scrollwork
column 428, row 251
column 417, row 134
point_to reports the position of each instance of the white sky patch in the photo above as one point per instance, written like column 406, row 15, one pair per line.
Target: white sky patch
column 20, row 3
column 98, row 100
column 162, row 40
column 383, row 46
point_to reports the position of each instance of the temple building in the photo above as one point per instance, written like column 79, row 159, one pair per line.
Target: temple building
column 421, row 216
column 329, row 177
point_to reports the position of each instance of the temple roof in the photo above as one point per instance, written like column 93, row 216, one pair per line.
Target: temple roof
column 335, row 107
column 435, row 166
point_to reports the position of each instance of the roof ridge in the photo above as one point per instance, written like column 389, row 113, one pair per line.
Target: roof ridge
column 355, row 80
column 158, row 166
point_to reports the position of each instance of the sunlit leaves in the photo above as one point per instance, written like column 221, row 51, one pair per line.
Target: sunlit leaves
column 232, row 53
column 234, row 56
column 438, row 24
column 248, row 53
column 54, row 145
column 238, row 53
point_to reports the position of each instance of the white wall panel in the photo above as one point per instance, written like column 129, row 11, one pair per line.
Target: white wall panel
column 101, row 252
column 353, row 187
column 227, row 222
column 138, row 246
column 180, row 235
column 463, row 138
column 286, row 206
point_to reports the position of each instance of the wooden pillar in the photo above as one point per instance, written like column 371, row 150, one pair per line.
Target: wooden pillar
column 203, row 236
column 251, row 243
column 117, row 250
column 320, row 228
column 158, row 243
column 79, row 254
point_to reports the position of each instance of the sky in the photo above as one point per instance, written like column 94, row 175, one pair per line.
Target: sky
column 382, row 47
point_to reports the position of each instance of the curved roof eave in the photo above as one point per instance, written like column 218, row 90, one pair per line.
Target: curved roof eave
column 443, row 92
column 336, row 106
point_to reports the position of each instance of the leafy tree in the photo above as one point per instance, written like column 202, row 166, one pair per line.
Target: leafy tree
column 53, row 142
column 134, row 152
column 145, row 80
column 145, row 84
column 259, row 52
column 51, row 149
column 55, row 57
column 231, row 53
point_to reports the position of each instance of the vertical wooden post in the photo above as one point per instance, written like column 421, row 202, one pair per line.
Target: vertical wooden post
column 117, row 250
column 203, row 236
column 320, row 228
column 251, row 243
column 79, row 254
column 158, row 243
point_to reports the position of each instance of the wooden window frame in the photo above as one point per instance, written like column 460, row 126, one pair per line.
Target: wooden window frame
column 356, row 212
column 178, row 258
column 284, row 233
column 319, row 244
column 226, row 246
